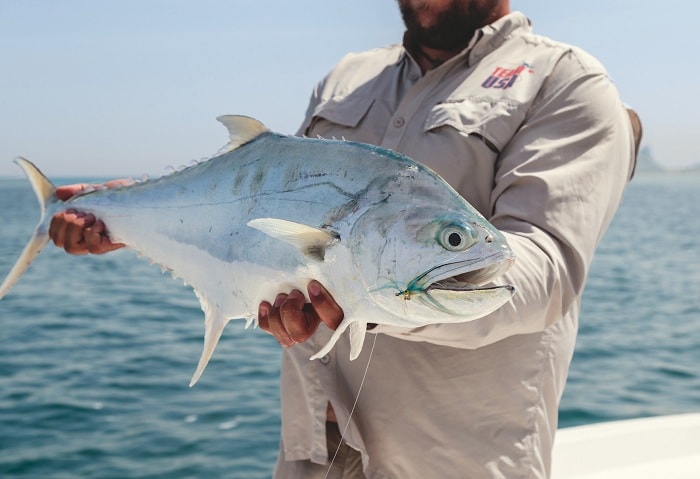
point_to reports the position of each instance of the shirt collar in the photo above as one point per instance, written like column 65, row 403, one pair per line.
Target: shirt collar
column 485, row 39
column 491, row 37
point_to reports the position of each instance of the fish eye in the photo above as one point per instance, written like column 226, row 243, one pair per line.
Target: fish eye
column 457, row 237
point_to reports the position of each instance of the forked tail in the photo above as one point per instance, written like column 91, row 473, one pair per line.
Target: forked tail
column 45, row 193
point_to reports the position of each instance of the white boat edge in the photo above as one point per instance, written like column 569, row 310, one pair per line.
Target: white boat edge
column 656, row 447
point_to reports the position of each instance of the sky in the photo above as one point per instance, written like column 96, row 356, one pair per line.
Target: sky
column 116, row 88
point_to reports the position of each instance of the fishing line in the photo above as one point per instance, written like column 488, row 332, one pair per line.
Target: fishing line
column 352, row 410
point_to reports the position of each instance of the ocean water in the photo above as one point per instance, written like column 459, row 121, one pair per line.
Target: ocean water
column 96, row 351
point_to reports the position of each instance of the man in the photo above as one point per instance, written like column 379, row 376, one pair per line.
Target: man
column 534, row 135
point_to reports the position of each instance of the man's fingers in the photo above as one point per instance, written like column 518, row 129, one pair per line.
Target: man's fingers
column 119, row 182
column 324, row 305
column 68, row 191
column 263, row 316
column 66, row 230
column 299, row 318
column 57, row 230
column 297, row 324
column 80, row 233
column 270, row 321
column 74, row 239
column 290, row 319
column 96, row 239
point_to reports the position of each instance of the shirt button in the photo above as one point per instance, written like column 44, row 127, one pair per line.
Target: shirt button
column 325, row 359
column 413, row 76
column 399, row 122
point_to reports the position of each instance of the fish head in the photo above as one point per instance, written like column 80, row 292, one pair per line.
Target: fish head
column 428, row 264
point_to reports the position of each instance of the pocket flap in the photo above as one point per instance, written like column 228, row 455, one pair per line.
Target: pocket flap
column 492, row 122
column 346, row 111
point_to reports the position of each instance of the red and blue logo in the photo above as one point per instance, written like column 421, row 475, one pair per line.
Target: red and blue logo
column 503, row 78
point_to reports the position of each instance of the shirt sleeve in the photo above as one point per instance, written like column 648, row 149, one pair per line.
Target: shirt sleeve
column 314, row 101
column 557, row 185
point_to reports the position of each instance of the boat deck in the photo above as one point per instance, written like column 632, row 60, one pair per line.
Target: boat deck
column 665, row 447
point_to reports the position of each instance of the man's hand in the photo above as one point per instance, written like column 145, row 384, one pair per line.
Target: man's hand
column 80, row 233
column 291, row 320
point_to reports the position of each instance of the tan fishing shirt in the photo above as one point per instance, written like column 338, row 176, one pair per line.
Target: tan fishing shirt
column 532, row 133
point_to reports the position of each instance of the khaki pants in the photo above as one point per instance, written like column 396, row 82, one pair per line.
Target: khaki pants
column 346, row 465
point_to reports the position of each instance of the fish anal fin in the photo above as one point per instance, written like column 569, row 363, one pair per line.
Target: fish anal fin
column 358, row 330
column 241, row 130
column 357, row 338
column 311, row 242
column 214, row 324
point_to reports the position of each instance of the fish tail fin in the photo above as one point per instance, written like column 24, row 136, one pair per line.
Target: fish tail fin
column 213, row 327
column 45, row 193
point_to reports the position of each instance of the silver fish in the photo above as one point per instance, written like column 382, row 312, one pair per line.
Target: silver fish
column 390, row 239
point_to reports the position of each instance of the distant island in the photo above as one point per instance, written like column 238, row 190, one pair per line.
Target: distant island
column 647, row 164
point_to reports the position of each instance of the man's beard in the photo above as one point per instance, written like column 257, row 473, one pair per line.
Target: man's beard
column 452, row 29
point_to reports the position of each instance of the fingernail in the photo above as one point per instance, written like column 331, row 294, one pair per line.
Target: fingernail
column 314, row 288
column 296, row 294
column 279, row 300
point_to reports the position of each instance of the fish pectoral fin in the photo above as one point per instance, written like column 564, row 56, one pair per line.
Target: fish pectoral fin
column 311, row 242
column 214, row 324
column 241, row 130
column 357, row 338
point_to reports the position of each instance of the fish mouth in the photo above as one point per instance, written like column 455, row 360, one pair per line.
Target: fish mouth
column 460, row 288
column 453, row 276
column 462, row 275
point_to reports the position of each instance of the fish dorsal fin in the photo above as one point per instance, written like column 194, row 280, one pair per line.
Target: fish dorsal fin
column 312, row 242
column 241, row 130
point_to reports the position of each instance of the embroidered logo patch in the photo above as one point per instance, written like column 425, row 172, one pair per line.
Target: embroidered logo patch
column 503, row 78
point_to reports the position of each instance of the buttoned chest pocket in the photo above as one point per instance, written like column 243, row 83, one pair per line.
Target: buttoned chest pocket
column 353, row 118
column 489, row 122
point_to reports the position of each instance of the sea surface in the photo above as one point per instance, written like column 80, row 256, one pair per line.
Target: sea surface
column 96, row 351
